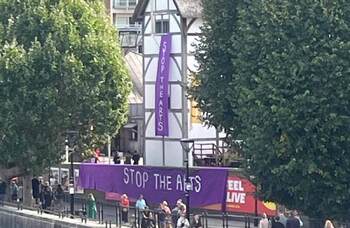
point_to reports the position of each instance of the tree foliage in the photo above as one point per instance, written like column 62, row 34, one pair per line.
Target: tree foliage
column 57, row 57
column 288, row 96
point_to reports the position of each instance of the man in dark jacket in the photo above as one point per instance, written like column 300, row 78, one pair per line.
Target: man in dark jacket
column 36, row 189
column 276, row 223
column 136, row 158
column 2, row 191
column 293, row 221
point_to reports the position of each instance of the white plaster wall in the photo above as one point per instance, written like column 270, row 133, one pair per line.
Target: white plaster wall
column 173, row 154
column 149, row 99
column 176, row 44
column 174, row 127
column 174, row 23
column 151, row 74
column 151, row 44
column 172, row 5
column 161, row 4
column 153, row 152
column 176, row 101
column 151, row 6
column 149, row 128
column 148, row 28
column 201, row 131
column 174, row 70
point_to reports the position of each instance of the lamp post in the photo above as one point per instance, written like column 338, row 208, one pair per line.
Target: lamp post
column 129, row 37
column 256, row 221
column 69, row 143
column 187, row 145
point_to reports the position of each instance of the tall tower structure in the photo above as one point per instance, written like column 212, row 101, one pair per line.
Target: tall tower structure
column 181, row 20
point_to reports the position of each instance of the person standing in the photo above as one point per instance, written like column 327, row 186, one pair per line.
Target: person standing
column 2, row 191
column 127, row 158
column 36, row 189
column 125, row 207
column 91, row 207
column 282, row 218
column 140, row 203
column 20, row 194
column 328, row 224
column 293, row 221
column 14, row 191
column 179, row 209
column 147, row 219
column 59, row 196
column 196, row 223
column 136, row 158
column 116, row 158
column 183, row 222
column 167, row 214
column 46, row 195
column 264, row 222
column 276, row 223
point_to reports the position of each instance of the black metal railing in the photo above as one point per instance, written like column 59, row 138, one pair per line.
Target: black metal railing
column 110, row 215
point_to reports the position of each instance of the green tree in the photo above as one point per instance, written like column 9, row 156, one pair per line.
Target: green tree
column 290, row 89
column 215, row 56
column 57, row 57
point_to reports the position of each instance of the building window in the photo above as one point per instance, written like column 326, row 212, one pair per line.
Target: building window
column 124, row 3
column 132, row 2
column 122, row 21
column 119, row 3
column 162, row 26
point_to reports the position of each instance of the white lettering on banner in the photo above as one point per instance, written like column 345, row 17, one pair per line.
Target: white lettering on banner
column 162, row 182
column 198, row 186
column 235, row 192
column 235, row 185
column 141, row 179
column 160, row 125
column 179, row 183
column 235, row 197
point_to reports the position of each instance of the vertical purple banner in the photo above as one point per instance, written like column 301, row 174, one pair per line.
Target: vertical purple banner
column 161, row 105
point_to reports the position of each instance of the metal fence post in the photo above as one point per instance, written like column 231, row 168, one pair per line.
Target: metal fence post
column 223, row 219
column 99, row 212
column 120, row 215
column 116, row 215
column 206, row 219
column 202, row 220
column 102, row 211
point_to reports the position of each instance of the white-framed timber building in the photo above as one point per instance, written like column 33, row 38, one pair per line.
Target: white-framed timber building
column 182, row 19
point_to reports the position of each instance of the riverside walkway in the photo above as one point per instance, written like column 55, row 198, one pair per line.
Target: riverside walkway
column 13, row 217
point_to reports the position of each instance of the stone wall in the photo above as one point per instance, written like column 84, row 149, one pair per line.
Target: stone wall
column 19, row 219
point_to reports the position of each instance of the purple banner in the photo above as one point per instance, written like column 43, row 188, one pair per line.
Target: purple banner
column 156, row 184
column 161, row 105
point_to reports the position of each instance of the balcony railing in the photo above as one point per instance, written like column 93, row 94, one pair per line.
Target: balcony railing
column 124, row 4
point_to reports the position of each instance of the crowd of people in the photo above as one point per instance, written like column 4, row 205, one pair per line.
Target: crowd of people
column 15, row 190
column 46, row 196
column 129, row 158
column 167, row 218
column 49, row 198
column 290, row 219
